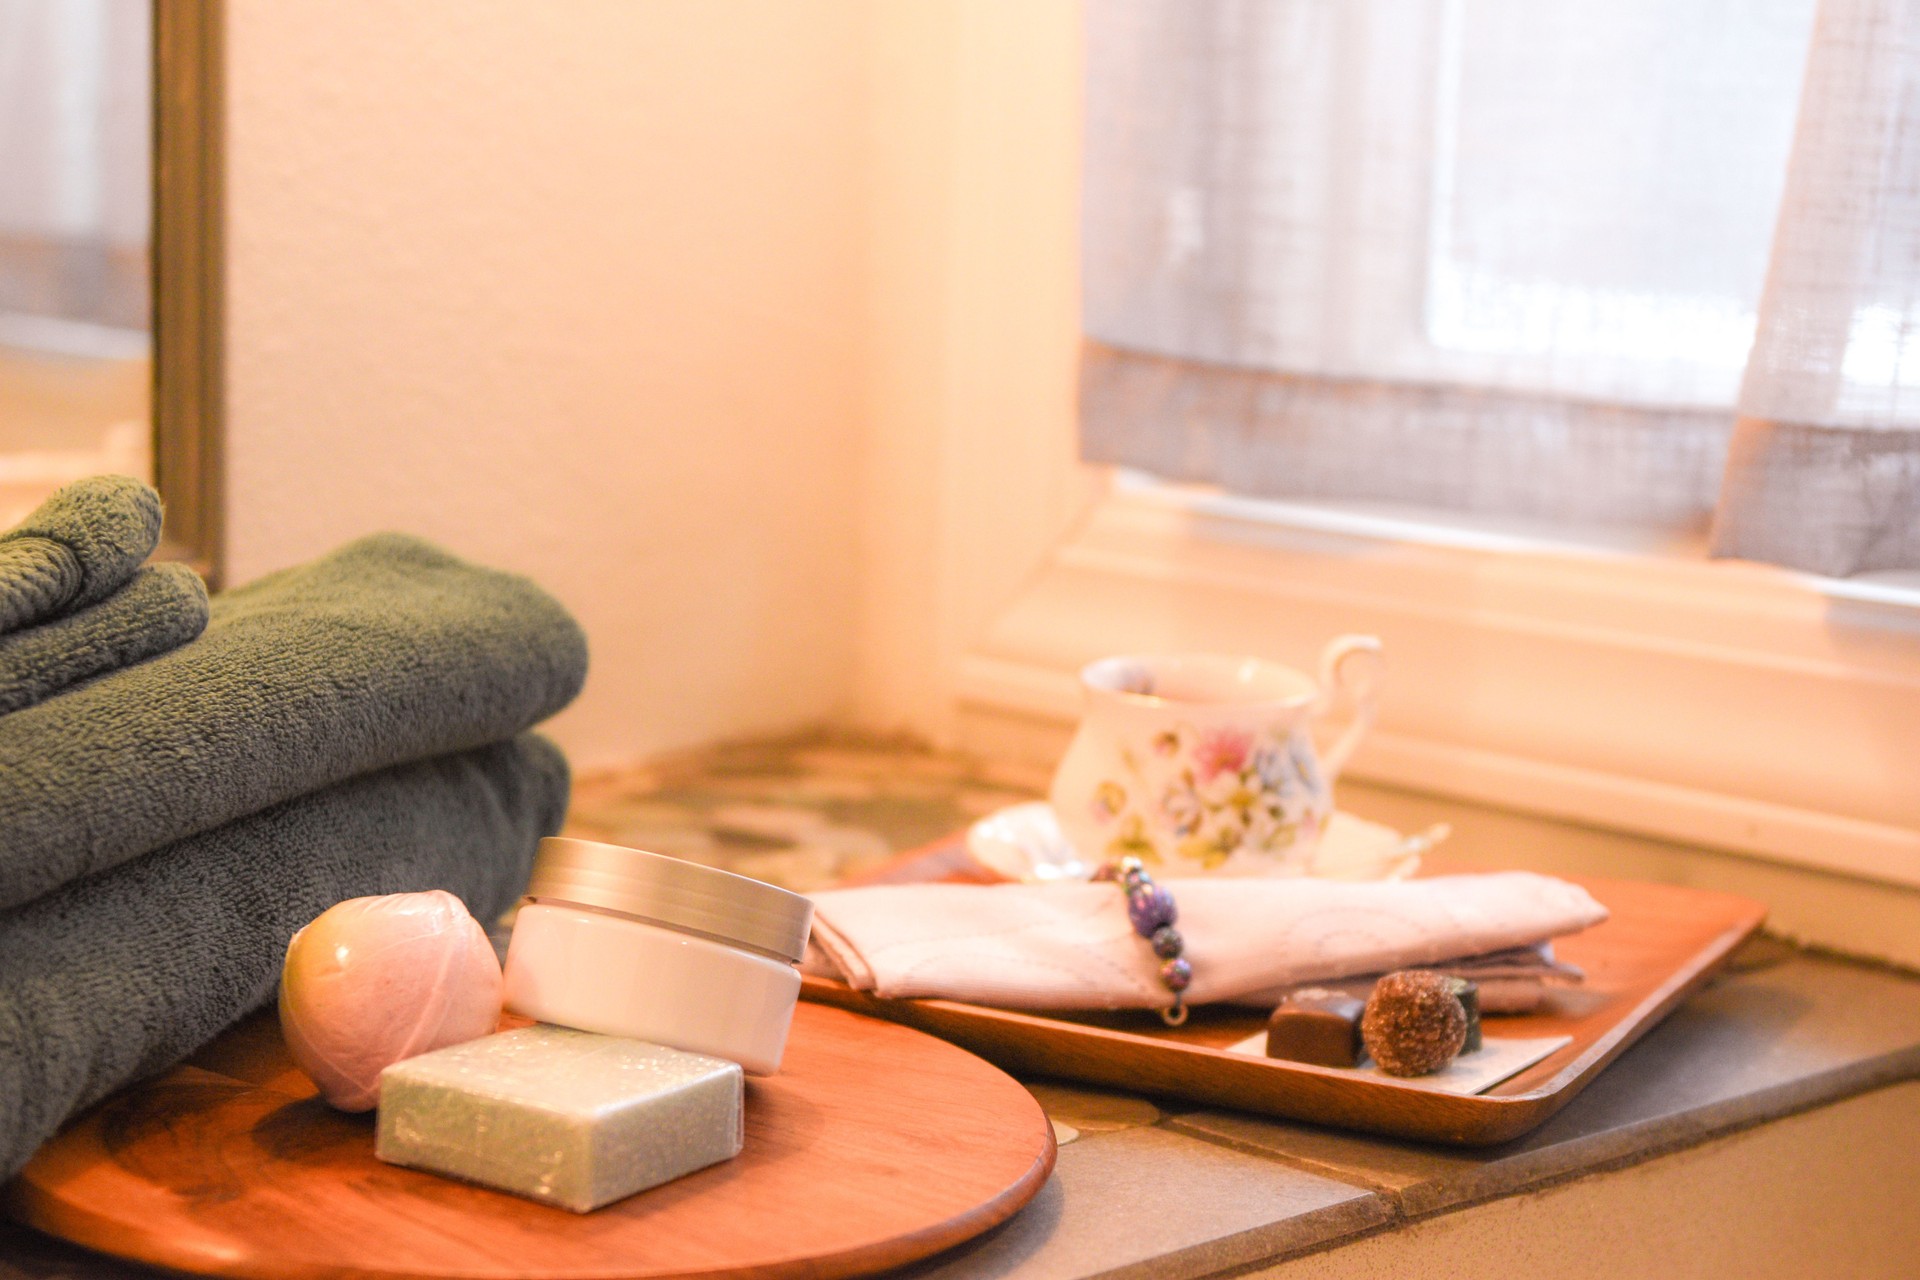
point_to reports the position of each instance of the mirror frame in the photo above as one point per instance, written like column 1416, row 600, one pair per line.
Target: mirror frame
column 188, row 258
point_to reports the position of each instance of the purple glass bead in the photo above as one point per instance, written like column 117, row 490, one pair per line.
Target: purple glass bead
column 1151, row 909
column 1166, row 942
column 1176, row 973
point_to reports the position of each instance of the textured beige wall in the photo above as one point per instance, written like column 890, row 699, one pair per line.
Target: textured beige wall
column 574, row 289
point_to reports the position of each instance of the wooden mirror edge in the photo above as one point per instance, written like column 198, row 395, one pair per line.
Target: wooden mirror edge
column 188, row 294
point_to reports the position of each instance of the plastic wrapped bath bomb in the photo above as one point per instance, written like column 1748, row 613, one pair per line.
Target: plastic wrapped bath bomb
column 373, row 981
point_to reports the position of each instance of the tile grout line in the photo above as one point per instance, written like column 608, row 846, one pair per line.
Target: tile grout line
column 1657, row 1151
column 1305, row 1164
column 1157, row 1268
column 1401, row 1215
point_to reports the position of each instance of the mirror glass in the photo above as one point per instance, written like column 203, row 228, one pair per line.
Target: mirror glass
column 76, row 216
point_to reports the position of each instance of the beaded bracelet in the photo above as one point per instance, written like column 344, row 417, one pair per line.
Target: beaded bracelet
column 1152, row 911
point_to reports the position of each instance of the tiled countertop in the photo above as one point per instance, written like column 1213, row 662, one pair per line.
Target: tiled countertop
column 1147, row 1190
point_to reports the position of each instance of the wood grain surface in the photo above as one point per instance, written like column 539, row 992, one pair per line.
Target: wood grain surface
column 1660, row 943
column 875, row 1146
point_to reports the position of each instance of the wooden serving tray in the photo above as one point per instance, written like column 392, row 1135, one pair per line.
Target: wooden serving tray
column 1660, row 944
column 875, row 1146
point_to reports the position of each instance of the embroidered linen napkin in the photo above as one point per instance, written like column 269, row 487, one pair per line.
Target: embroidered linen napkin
column 1070, row 946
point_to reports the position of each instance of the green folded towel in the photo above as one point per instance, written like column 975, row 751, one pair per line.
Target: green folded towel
column 123, row 974
column 386, row 651
column 160, row 609
column 74, row 601
column 76, row 549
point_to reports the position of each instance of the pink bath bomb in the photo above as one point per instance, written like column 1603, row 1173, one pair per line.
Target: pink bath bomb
column 374, row 980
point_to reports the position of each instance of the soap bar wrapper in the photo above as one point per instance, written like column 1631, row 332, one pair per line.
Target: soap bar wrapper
column 565, row 1117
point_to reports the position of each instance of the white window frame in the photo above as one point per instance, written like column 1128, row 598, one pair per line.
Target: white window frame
column 1539, row 678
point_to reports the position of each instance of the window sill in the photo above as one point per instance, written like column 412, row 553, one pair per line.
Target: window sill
column 1639, row 559
column 1725, row 705
column 1631, row 551
column 1765, row 1128
column 1788, row 1077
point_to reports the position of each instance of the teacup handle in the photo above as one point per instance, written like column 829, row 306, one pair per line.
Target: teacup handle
column 1351, row 665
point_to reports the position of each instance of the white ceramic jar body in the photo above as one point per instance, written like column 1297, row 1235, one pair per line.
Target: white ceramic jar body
column 619, row 975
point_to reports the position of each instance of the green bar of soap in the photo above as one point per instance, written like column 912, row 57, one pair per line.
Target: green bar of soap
column 562, row 1116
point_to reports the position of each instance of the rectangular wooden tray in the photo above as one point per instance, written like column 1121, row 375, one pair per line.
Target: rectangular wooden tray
column 1661, row 943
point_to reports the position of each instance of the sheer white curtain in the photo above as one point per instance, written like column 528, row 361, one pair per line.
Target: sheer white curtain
column 1488, row 255
column 1825, row 465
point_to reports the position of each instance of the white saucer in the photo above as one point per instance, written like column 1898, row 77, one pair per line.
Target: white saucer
column 1023, row 842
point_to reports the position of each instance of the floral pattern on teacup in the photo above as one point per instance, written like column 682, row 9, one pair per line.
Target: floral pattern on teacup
column 1217, row 792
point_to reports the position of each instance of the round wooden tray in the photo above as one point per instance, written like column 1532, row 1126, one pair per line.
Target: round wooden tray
column 876, row 1145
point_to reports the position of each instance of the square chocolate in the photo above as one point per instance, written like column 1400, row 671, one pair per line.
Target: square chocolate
column 1317, row 1026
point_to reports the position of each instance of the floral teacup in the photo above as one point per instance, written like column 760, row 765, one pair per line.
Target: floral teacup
column 1204, row 764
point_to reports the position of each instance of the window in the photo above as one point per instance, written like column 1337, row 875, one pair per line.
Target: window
column 1733, row 705
column 1517, row 259
column 109, row 182
column 76, row 107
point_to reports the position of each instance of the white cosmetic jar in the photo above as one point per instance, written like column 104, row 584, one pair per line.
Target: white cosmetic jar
column 634, row 944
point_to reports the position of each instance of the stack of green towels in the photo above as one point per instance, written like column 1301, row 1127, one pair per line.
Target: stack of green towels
column 185, row 783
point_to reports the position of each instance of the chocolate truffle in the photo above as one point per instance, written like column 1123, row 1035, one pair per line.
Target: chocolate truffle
column 1414, row 1023
column 1317, row 1026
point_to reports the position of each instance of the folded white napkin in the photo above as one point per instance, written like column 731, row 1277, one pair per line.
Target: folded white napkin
column 1070, row 946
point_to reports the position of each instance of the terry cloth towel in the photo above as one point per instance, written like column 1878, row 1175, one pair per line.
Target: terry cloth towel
column 162, row 608
column 76, row 549
column 121, row 975
column 1071, row 946
column 386, row 651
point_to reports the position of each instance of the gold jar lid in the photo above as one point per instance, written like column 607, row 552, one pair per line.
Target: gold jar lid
column 673, row 892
